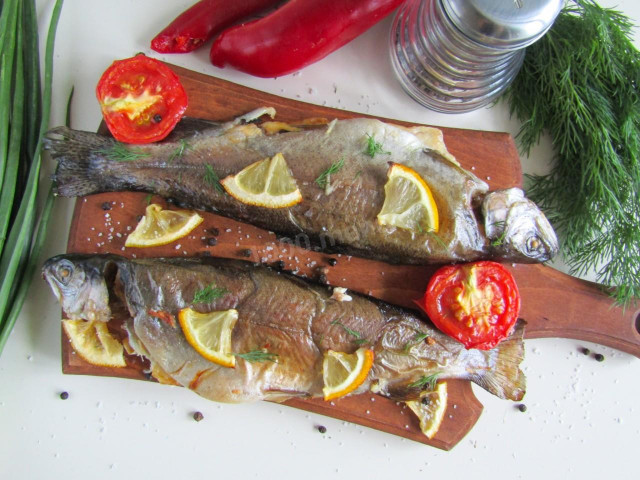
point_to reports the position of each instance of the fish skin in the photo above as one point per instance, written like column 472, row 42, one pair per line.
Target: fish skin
column 345, row 220
column 286, row 315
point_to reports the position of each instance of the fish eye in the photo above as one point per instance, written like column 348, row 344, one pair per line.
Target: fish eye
column 64, row 273
column 533, row 243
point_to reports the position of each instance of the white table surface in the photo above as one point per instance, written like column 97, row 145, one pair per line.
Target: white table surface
column 582, row 419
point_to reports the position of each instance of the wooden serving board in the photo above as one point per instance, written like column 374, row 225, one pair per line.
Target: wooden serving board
column 553, row 304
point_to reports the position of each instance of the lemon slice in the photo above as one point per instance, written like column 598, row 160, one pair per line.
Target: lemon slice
column 344, row 372
column 408, row 202
column 159, row 227
column 266, row 183
column 430, row 409
column 210, row 333
column 93, row 342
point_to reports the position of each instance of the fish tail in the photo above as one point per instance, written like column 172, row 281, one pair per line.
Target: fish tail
column 503, row 376
column 80, row 166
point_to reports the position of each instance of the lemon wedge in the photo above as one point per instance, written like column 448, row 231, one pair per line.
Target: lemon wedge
column 266, row 183
column 430, row 409
column 210, row 333
column 159, row 227
column 408, row 202
column 344, row 372
column 93, row 342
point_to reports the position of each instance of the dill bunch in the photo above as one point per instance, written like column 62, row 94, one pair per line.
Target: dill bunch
column 580, row 83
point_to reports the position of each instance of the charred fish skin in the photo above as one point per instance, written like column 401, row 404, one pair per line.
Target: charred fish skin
column 296, row 320
column 343, row 215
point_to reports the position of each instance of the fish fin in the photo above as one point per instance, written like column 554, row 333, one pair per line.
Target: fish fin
column 503, row 377
column 189, row 126
column 78, row 165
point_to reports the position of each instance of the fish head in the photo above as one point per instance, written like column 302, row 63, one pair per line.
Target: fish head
column 516, row 227
column 79, row 284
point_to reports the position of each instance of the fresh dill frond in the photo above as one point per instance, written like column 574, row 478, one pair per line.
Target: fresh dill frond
column 179, row 151
column 325, row 177
column 148, row 198
column 426, row 382
column 118, row 152
column 579, row 83
column 208, row 294
column 374, row 147
column 359, row 339
column 211, row 177
column 256, row 356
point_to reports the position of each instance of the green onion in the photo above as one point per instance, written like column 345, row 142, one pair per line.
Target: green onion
column 20, row 151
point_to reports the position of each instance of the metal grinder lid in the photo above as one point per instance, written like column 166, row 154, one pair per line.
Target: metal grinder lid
column 508, row 24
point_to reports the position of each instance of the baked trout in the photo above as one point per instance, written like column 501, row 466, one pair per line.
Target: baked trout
column 474, row 224
column 289, row 317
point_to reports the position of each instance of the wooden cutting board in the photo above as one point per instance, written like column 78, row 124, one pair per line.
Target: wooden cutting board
column 553, row 304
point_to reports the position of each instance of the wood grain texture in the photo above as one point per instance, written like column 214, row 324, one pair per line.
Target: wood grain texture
column 554, row 304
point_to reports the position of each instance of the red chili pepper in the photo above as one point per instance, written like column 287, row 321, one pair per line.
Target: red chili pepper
column 297, row 34
column 202, row 21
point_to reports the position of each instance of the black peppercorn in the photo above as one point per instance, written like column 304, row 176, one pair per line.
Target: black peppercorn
column 522, row 407
column 246, row 252
column 332, row 261
column 106, row 206
column 585, row 351
column 157, row 118
column 214, row 231
column 599, row 357
column 211, row 241
column 198, row 416
column 64, row 395
column 322, row 429
column 279, row 265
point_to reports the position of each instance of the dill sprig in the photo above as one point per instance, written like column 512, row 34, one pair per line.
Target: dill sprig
column 359, row 339
column 179, row 151
column 211, row 177
column 118, row 152
column 417, row 338
column 426, row 382
column 255, row 356
column 208, row 294
column 499, row 240
column 374, row 147
column 325, row 177
column 580, row 84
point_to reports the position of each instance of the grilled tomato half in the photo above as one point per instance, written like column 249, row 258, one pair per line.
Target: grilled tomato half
column 476, row 303
column 141, row 99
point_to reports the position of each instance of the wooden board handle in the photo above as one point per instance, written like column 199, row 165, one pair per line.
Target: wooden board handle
column 558, row 305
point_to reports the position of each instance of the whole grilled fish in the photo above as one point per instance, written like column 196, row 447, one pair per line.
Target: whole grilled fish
column 291, row 318
column 474, row 224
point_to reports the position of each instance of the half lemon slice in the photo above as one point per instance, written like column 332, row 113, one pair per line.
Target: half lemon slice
column 430, row 409
column 159, row 227
column 344, row 372
column 210, row 333
column 93, row 342
column 266, row 183
column 408, row 202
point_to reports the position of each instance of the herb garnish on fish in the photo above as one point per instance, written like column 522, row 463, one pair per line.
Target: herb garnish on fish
column 426, row 381
column 211, row 177
column 374, row 147
column 182, row 147
column 209, row 294
column 419, row 337
column 256, row 356
column 359, row 338
column 325, row 177
column 118, row 152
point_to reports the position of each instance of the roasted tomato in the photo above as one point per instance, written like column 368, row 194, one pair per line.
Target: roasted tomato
column 476, row 303
column 141, row 99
